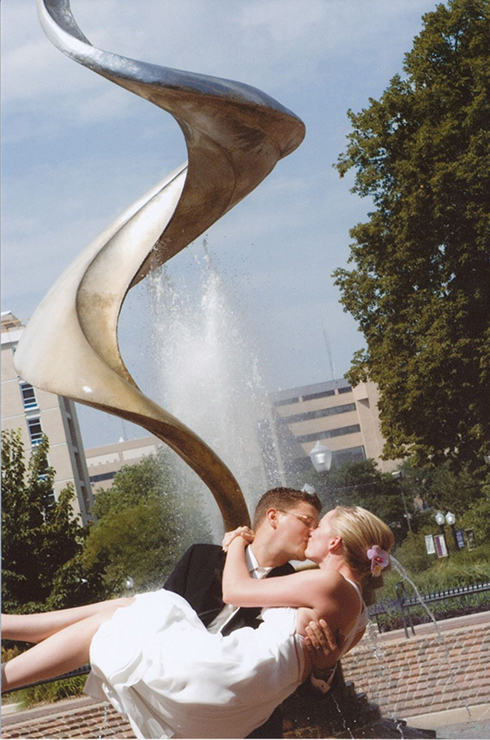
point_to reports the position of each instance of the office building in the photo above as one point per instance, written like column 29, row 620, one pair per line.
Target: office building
column 342, row 418
column 36, row 412
column 105, row 461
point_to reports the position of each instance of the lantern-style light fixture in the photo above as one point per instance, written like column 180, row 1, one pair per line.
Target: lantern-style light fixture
column 321, row 457
column 450, row 519
column 440, row 518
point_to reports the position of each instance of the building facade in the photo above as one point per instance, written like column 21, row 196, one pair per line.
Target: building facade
column 343, row 418
column 36, row 412
column 105, row 461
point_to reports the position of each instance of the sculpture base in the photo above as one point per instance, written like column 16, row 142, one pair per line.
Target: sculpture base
column 341, row 713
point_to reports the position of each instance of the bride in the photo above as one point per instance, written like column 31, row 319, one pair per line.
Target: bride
column 152, row 657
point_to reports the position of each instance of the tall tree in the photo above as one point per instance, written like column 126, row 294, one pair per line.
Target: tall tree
column 145, row 522
column 41, row 537
column 419, row 289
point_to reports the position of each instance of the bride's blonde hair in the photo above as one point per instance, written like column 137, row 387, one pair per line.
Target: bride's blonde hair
column 360, row 530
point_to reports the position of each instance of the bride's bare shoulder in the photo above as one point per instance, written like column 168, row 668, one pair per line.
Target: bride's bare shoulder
column 337, row 590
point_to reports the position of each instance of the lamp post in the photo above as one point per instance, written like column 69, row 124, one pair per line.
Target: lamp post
column 439, row 517
column 440, row 521
column 398, row 475
column 321, row 457
column 451, row 520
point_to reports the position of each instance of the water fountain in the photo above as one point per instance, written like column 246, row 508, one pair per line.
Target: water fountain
column 201, row 352
column 235, row 135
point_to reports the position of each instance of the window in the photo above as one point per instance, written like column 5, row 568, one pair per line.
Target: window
column 35, row 430
column 330, row 433
column 347, row 389
column 287, row 401
column 102, row 476
column 28, row 396
column 351, row 454
column 319, row 413
column 322, row 394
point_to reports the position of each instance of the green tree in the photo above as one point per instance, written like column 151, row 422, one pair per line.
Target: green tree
column 144, row 524
column 41, row 538
column 363, row 484
column 441, row 488
column 419, row 288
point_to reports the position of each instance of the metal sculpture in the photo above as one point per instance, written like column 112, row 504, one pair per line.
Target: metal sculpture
column 234, row 134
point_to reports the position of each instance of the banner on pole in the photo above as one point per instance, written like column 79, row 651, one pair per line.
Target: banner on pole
column 429, row 544
column 441, row 547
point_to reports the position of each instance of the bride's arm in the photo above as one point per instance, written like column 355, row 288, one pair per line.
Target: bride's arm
column 307, row 588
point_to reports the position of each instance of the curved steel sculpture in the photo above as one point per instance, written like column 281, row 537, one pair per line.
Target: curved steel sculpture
column 235, row 134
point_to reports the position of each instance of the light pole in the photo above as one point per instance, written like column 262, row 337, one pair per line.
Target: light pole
column 440, row 521
column 451, row 520
column 398, row 475
column 321, row 457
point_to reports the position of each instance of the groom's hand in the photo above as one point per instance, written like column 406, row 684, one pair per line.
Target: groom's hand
column 245, row 532
column 322, row 646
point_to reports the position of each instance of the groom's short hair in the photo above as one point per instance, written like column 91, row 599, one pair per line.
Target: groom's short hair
column 284, row 498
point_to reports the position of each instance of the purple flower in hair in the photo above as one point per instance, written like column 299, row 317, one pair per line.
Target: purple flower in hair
column 379, row 559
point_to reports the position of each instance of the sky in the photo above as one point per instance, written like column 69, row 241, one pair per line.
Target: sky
column 77, row 150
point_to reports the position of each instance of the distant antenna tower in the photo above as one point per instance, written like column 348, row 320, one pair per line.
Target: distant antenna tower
column 329, row 352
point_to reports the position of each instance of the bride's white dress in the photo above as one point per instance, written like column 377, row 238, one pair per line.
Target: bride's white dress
column 157, row 664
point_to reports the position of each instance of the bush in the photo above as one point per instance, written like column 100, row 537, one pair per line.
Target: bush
column 412, row 554
column 51, row 692
column 48, row 692
column 467, row 567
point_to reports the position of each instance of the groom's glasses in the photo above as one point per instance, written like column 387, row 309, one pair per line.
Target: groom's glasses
column 308, row 521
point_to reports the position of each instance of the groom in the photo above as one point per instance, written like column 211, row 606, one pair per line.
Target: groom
column 283, row 521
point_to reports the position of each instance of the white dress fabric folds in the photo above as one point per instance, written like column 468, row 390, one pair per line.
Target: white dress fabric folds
column 157, row 664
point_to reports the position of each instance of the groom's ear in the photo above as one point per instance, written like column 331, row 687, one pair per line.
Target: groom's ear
column 271, row 517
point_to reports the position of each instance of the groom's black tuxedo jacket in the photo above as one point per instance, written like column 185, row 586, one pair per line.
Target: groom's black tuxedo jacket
column 197, row 577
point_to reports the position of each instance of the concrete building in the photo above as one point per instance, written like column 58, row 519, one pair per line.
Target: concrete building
column 104, row 462
column 35, row 412
column 344, row 419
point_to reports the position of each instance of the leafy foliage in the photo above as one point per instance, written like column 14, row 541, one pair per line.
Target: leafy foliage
column 144, row 524
column 363, row 484
column 441, row 488
column 419, row 289
column 42, row 541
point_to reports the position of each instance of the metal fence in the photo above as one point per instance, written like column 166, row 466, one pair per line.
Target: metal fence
column 404, row 602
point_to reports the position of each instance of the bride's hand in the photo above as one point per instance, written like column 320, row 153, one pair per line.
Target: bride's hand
column 245, row 532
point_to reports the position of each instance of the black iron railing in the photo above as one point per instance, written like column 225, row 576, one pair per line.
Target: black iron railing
column 404, row 602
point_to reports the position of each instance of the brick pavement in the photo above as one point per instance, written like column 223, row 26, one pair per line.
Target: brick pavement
column 426, row 673
column 79, row 718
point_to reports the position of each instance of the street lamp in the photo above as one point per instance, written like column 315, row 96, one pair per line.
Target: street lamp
column 451, row 520
column 321, row 457
column 439, row 517
column 398, row 475
column 308, row 489
column 440, row 520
